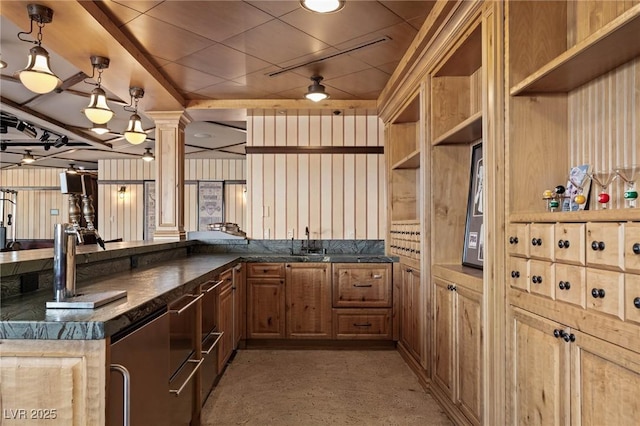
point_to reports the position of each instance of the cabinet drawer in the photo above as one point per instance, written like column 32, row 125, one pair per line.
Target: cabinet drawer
column 265, row 270
column 518, row 273
column 362, row 324
column 518, row 239
column 632, row 298
column 541, row 278
column 570, row 243
column 361, row 286
column 570, row 284
column 632, row 247
column 605, row 292
column 605, row 245
column 541, row 241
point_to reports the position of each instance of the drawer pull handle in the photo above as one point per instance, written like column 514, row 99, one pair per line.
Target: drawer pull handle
column 515, row 274
column 563, row 243
column 636, row 302
column 178, row 391
column 366, row 324
column 564, row 285
column 187, row 306
column 126, row 394
column 597, row 293
column 597, row 245
column 636, row 248
column 536, row 241
column 213, row 286
column 377, row 276
column 213, row 345
column 363, row 285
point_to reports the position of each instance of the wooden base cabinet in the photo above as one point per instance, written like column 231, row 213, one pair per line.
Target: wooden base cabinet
column 457, row 354
column 561, row 376
column 308, row 300
column 411, row 325
column 265, row 301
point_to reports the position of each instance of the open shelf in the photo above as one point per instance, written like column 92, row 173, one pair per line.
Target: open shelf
column 466, row 132
column 609, row 215
column 411, row 161
column 613, row 45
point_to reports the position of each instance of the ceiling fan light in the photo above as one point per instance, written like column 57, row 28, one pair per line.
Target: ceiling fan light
column 37, row 76
column 134, row 133
column 316, row 92
column 148, row 156
column 98, row 111
column 27, row 158
column 323, row 6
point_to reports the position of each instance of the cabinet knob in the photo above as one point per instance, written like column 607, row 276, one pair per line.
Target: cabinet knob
column 557, row 333
column 569, row 337
column 597, row 293
column 536, row 241
column 515, row 274
column 536, row 279
column 513, row 240
column 597, row 245
column 561, row 285
column 564, row 243
column 636, row 248
column 636, row 302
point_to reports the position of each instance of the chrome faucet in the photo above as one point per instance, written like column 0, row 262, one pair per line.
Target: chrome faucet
column 65, row 236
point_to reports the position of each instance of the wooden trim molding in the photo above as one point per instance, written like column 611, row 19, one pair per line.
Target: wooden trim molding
column 315, row 150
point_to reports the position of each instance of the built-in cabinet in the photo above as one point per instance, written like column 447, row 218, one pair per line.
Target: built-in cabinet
column 573, row 295
column 308, row 300
column 411, row 327
column 265, row 301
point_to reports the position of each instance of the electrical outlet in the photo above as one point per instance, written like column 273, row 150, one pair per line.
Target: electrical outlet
column 290, row 233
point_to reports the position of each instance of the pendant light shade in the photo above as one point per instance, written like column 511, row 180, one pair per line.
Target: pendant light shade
column 323, row 6
column 135, row 134
column 37, row 76
column 27, row 158
column 316, row 91
column 98, row 111
column 100, row 129
column 148, row 155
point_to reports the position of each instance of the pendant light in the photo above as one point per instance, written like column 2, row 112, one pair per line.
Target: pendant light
column 135, row 134
column 27, row 158
column 99, row 129
column 316, row 91
column 72, row 169
column 148, row 155
column 323, row 6
column 37, row 76
column 98, row 111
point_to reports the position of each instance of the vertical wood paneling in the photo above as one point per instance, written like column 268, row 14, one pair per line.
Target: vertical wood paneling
column 326, row 196
column 268, row 190
column 603, row 125
column 315, row 188
column 303, row 192
column 280, row 197
column 291, row 200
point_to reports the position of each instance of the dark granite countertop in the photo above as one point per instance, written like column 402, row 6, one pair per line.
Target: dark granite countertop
column 149, row 288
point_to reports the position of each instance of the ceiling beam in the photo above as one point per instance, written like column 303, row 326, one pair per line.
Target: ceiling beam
column 281, row 104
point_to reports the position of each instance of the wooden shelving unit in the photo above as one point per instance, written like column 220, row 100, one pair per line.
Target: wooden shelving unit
column 468, row 131
column 411, row 161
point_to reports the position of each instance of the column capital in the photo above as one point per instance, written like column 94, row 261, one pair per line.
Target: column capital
column 169, row 117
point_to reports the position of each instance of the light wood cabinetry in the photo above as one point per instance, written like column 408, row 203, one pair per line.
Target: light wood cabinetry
column 411, row 326
column 308, row 300
column 566, row 60
column 225, row 318
column 266, row 301
column 458, row 340
column 362, row 301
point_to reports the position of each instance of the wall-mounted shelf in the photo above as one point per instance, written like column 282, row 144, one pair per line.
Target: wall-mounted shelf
column 469, row 277
column 411, row 161
column 606, row 49
column 468, row 131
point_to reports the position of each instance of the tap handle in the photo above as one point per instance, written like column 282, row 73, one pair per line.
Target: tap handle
column 9, row 216
column 99, row 239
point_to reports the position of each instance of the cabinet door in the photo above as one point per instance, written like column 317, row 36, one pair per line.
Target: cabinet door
column 606, row 379
column 538, row 387
column 411, row 328
column 443, row 333
column 468, row 337
column 265, row 308
column 308, row 295
column 225, row 322
column 239, row 305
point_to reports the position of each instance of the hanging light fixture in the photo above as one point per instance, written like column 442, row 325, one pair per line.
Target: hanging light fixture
column 99, row 129
column 98, row 111
column 121, row 192
column 37, row 76
column 323, row 6
column 3, row 64
column 27, row 158
column 72, row 170
column 135, row 134
column 148, row 155
column 316, row 91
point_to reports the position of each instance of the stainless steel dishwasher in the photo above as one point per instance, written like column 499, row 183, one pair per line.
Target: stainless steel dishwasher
column 140, row 352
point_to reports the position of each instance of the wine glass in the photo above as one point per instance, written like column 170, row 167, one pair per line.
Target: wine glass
column 629, row 174
column 604, row 179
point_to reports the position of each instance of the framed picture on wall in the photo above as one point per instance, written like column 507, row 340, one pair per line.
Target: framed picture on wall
column 210, row 203
column 149, row 209
column 473, row 251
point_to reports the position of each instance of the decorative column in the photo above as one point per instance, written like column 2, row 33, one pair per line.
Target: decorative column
column 169, row 152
